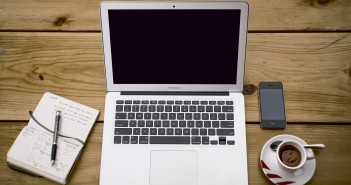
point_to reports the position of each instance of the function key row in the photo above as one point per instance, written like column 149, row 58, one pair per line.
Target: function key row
column 174, row 108
column 177, row 102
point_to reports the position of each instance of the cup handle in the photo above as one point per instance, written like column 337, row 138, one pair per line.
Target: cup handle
column 310, row 155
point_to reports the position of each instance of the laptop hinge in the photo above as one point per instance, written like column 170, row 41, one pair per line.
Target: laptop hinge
column 174, row 93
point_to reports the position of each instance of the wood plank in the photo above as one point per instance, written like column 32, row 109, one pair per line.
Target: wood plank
column 315, row 69
column 78, row 15
column 333, row 163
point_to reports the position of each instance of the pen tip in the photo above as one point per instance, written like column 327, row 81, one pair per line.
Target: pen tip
column 58, row 113
column 52, row 163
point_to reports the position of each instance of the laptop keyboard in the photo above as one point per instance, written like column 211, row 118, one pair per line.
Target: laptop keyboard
column 174, row 122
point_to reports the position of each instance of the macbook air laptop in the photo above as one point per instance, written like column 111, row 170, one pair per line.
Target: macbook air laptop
column 174, row 109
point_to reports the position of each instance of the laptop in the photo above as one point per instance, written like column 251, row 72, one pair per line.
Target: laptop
column 174, row 108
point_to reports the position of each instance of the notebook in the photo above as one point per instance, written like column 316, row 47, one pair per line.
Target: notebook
column 174, row 108
column 31, row 151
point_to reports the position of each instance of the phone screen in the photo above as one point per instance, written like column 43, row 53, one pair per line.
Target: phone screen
column 272, row 109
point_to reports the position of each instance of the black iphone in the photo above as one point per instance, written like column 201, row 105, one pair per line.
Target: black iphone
column 272, row 108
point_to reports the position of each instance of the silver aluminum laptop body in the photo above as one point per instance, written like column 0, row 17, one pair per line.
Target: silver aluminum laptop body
column 168, row 52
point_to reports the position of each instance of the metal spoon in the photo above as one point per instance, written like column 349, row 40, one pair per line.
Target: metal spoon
column 275, row 145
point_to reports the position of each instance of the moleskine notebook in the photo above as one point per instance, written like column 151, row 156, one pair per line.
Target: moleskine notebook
column 31, row 152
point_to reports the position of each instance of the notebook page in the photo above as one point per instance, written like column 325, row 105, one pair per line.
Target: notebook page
column 33, row 148
column 76, row 119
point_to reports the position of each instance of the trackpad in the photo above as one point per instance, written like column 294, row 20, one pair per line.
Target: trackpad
column 173, row 168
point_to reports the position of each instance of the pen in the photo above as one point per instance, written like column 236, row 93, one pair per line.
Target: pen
column 54, row 141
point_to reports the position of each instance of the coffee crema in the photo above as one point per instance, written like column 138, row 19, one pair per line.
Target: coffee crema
column 290, row 156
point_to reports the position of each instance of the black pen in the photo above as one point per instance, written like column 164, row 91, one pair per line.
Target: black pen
column 54, row 141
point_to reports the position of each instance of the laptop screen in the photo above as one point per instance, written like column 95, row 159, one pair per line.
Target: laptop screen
column 174, row 46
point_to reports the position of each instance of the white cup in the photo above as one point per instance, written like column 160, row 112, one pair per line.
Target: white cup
column 293, row 154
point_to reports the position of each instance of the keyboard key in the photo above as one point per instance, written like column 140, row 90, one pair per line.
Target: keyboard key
column 134, row 140
column 123, row 131
column 139, row 116
column 182, row 123
column 149, row 123
column 172, row 116
column 135, row 108
column 153, row 102
column 141, row 123
column 127, row 108
column 203, row 131
column 201, row 108
column 136, row 131
column 132, row 123
column 199, row 124
column 180, row 116
column 215, row 124
column 136, row 102
column 192, row 108
column 190, row 124
column 147, row 115
column 119, row 102
column 209, row 108
column 170, row 102
column 220, row 102
column 214, row 142
column 143, row 108
column 145, row 102
column 229, row 103
column 217, row 109
column 187, row 102
column 211, row 132
column 169, row 140
column 186, row 131
column 196, row 140
column 194, row 131
column 230, row 116
column 164, row 115
column 121, row 123
column 144, row 131
column 229, row 142
column 221, row 116
column 128, row 102
column 161, row 102
column 168, row 108
column 178, row 131
column 170, row 131
column 117, row 139
column 143, row 139
column 188, row 116
column 165, row 123
column 152, row 108
column 157, row 124
column 155, row 115
column 125, row 139
column 212, row 102
column 207, row 124
column 205, row 116
column 225, row 132
column 176, row 108
column 195, row 102
column 227, row 124
column 153, row 131
column 178, row 102
column 197, row 116
column 174, row 123
column 228, row 109
column 131, row 115
column 205, row 140
column 160, row 108
column 121, row 115
column 184, row 108
column 161, row 131
column 119, row 108
column 213, row 116
column 204, row 102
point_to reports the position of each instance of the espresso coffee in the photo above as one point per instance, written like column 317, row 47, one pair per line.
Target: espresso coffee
column 290, row 156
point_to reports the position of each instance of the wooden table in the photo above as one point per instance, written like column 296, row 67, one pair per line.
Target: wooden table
column 56, row 46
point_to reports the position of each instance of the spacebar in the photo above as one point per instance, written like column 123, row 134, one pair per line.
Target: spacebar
column 169, row 139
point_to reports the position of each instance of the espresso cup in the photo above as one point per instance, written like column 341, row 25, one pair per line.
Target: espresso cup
column 291, row 155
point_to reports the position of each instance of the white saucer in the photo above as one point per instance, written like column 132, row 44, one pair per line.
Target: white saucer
column 277, row 174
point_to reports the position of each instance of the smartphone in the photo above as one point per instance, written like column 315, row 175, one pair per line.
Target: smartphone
column 272, row 107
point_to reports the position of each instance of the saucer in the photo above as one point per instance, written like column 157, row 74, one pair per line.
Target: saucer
column 277, row 174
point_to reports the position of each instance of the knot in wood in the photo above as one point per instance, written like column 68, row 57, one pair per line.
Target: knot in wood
column 60, row 21
column 249, row 89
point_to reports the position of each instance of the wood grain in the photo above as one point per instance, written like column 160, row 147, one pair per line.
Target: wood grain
column 314, row 67
column 79, row 15
column 333, row 163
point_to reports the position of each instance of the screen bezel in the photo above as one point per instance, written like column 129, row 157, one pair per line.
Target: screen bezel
column 110, row 86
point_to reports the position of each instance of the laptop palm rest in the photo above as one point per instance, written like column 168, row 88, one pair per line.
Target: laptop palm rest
column 173, row 167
